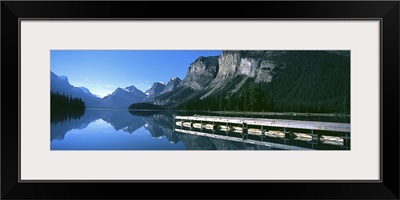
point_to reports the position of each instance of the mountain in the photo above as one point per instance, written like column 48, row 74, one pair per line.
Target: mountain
column 61, row 85
column 302, row 81
column 159, row 88
column 200, row 73
column 122, row 98
column 172, row 84
column 134, row 91
column 85, row 90
column 198, row 76
column 156, row 89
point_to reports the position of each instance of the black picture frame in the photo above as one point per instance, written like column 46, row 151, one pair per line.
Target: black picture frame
column 386, row 11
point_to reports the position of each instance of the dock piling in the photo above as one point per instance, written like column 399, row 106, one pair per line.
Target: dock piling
column 245, row 132
column 346, row 140
column 262, row 131
column 173, row 122
column 315, row 137
column 288, row 134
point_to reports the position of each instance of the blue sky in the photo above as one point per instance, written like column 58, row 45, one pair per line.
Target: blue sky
column 102, row 71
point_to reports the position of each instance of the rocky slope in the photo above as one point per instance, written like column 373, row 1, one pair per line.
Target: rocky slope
column 172, row 84
column 209, row 75
column 198, row 76
column 156, row 89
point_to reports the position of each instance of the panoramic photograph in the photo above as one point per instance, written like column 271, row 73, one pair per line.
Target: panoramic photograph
column 200, row 100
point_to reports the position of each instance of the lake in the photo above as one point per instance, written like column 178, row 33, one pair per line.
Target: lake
column 122, row 130
column 125, row 130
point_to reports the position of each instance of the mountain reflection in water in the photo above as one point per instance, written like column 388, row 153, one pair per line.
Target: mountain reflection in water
column 124, row 130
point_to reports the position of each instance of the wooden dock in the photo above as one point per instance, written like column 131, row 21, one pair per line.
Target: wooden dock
column 281, row 123
column 290, row 129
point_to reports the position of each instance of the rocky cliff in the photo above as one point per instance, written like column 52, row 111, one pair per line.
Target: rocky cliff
column 248, row 64
column 310, row 81
column 200, row 73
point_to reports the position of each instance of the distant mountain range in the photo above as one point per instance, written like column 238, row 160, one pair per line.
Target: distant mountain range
column 303, row 81
column 121, row 98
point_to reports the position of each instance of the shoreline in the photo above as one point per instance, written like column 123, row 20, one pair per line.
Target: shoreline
column 239, row 112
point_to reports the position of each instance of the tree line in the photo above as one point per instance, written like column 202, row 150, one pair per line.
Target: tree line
column 256, row 99
column 64, row 108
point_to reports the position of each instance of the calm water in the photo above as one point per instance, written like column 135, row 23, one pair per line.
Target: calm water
column 122, row 130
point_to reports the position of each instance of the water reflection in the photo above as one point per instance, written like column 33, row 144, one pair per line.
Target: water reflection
column 60, row 127
column 124, row 130
column 63, row 115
